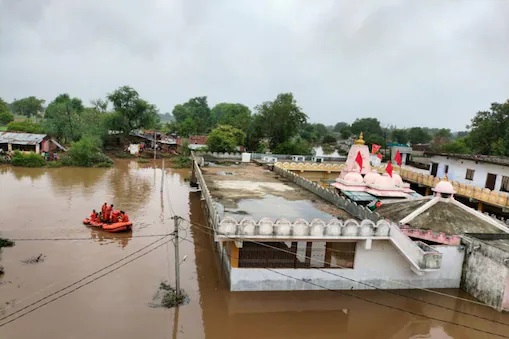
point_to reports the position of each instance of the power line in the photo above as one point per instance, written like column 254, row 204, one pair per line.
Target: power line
column 366, row 284
column 80, row 286
column 89, row 238
column 82, row 279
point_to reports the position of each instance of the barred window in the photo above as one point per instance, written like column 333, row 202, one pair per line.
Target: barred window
column 470, row 174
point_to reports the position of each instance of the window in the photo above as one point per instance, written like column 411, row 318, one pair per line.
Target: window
column 504, row 187
column 470, row 174
column 297, row 255
column 446, row 169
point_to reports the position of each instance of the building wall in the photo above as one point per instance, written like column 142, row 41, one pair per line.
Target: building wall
column 485, row 276
column 375, row 267
column 458, row 168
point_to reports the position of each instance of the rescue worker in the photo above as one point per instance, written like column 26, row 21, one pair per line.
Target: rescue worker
column 114, row 216
column 93, row 216
column 103, row 211
column 107, row 214
column 123, row 217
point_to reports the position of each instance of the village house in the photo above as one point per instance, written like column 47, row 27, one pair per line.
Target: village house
column 478, row 170
column 28, row 142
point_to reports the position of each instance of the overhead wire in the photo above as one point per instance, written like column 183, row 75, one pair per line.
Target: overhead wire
column 372, row 301
column 373, row 286
column 81, row 280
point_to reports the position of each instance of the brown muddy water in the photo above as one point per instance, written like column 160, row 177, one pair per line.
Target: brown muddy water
column 50, row 203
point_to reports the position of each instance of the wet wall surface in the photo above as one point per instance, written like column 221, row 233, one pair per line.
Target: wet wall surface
column 51, row 203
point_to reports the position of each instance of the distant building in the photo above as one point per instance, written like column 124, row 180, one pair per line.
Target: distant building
column 197, row 142
column 479, row 170
column 28, row 142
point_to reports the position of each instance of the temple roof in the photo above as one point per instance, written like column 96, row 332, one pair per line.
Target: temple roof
column 444, row 216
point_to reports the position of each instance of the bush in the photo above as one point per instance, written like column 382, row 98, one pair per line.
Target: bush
column 182, row 162
column 296, row 147
column 6, row 243
column 24, row 126
column 87, row 153
column 6, row 117
column 27, row 159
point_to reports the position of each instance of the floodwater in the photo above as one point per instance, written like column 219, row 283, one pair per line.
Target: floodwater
column 50, row 204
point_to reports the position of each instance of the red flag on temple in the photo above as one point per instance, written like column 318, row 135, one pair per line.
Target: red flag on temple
column 397, row 158
column 358, row 159
column 375, row 148
column 388, row 169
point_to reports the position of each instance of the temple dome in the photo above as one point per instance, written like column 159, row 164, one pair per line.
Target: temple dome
column 396, row 179
column 371, row 177
column 384, row 181
column 353, row 177
column 444, row 187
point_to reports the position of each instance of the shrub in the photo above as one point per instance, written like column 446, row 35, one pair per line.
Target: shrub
column 87, row 152
column 182, row 162
column 6, row 117
column 27, row 159
column 24, row 126
column 6, row 243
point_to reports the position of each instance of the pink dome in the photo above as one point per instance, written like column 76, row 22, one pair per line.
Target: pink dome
column 371, row 177
column 384, row 181
column 397, row 180
column 444, row 187
column 353, row 177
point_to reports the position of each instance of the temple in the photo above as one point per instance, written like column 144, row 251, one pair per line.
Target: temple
column 361, row 183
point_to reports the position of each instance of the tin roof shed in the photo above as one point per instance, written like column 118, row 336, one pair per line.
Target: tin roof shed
column 21, row 138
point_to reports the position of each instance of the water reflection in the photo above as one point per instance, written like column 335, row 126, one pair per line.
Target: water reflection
column 84, row 180
column 21, row 173
column 104, row 237
column 130, row 185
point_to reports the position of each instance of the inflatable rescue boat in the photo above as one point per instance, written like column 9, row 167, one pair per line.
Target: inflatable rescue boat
column 113, row 227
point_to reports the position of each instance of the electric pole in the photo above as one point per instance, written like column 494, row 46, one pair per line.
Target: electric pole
column 154, row 145
column 162, row 176
column 177, row 260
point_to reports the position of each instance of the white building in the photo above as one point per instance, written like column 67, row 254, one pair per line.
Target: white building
column 481, row 171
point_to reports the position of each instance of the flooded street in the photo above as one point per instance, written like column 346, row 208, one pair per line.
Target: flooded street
column 51, row 203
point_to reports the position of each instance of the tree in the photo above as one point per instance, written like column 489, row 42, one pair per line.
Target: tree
column 329, row 139
column 417, row 135
column 400, row 136
column 309, row 133
column 30, row 106
column 340, row 126
column 281, row 119
column 458, row 146
column 345, row 133
column 369, row 126
column 24, row 126
column 236, row 115
column 441, row 137
column 255, row 134
column 131, row 112
column 196, row 111
column 296, row 147
column 490, row 130
column 5, row 114
column 225, row 138
column 63, row 118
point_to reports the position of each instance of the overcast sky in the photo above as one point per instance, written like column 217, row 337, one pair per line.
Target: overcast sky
column 425, row 63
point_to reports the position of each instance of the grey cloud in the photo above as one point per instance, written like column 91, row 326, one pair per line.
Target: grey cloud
column 430, row 63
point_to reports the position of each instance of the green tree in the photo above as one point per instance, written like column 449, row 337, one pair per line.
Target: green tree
column 458, row 146
column 195, row 111
column 225, row 138
column 87, row 152
column 281, row 118
column 442, row 136
column 255, row 135
column 490, row 130
column 400, row 136
column 341, row 126
column 63, row 118
column 345, row 133
column 25, row 126
column 130, row 111
column 30, row 106
column 369, row 126
column 295, row 147
column 418, row 135
column 5, row 114
column 236, row 115
column 309, row 133
column 329, row 139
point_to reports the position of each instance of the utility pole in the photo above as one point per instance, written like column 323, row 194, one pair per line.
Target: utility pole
column 154, row 145
column 162, row 176
column 177, row 259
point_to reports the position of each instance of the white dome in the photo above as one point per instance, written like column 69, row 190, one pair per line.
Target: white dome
column 371, row 177
column 353, row 177
column 384, row 181
column 444, row 187
column 396, row 179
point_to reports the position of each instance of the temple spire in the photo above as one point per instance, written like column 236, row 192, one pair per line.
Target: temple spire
column 360, row 141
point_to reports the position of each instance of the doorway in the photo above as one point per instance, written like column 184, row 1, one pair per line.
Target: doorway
column 490, row 181
column 434, row 169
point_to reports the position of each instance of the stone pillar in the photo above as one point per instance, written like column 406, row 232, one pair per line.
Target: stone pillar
column 37, row 148
column 234, row 255
column 9, row 147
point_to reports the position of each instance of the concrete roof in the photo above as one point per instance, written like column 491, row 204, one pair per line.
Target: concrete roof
column 441, row 217
column 21, row 138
